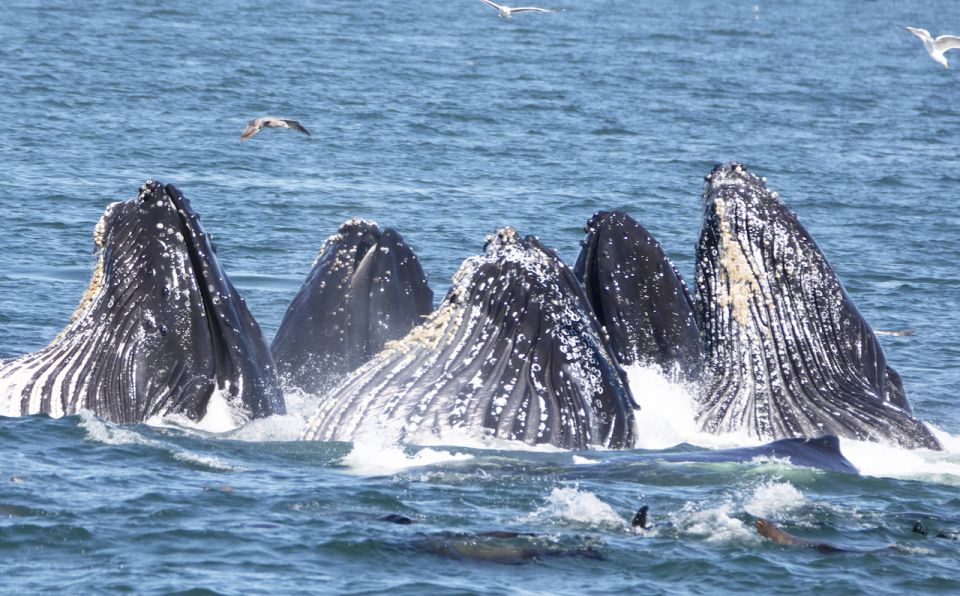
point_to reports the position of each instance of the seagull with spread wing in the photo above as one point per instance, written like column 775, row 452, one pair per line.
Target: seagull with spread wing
column 935, row 47
column 254, row 126
column 506, row 12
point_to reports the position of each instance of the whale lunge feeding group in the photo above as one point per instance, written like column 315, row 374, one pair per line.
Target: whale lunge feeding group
column 521, row 348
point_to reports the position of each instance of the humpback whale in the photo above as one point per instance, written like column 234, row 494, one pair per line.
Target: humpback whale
column 366, row 288
column 638, row 296
column 160, row 329
column 822, row 453
column 787, row 353
column 513, row 352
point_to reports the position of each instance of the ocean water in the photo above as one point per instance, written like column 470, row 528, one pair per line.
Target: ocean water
column 446, row 122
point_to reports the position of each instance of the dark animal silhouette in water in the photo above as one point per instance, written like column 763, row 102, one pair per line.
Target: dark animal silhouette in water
column 495, row 546
column 769, row 530
column 640, row 519
column 920, row 528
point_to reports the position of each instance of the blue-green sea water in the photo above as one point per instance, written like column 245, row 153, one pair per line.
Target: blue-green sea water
column 445, row 122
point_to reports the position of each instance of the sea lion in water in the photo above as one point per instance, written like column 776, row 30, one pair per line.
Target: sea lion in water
column 769, row 530
column 920, row 528
column 507, row 548
column 493, row 546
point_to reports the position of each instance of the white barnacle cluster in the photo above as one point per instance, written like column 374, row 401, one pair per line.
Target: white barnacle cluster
column 344, row 257
column 737, row 284
column 96, row 279
column 428, row 334
column 100, row 230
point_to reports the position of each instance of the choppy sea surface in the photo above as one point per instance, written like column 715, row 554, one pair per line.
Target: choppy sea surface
column 446, row 122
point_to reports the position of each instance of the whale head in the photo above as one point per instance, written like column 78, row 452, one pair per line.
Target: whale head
column 366, row 288
column 788, row 353
column 160, row 330
column 638, row 295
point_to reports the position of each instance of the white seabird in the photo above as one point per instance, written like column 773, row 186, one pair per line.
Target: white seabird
column 935, row 47
column 506, row 12
column 254, row 126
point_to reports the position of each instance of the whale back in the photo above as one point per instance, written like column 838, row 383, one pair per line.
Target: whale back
column 638, row 296
column 513, row 352
column 366, row 288
column 160, row 330
column 788, row 353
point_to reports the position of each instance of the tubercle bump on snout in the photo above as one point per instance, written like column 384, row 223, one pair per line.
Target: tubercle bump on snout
column 149, row 190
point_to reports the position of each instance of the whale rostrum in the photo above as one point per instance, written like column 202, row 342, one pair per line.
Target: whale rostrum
column 638, row 296
column 366, row 288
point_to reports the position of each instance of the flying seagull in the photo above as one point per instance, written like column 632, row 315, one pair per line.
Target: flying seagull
column 935, row 47
column 506, row 12
column 254, row 126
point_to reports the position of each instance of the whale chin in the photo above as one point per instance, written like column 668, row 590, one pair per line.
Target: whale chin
column 366, row 288
column 513, row 352
column 787, row 352
column 160, row 330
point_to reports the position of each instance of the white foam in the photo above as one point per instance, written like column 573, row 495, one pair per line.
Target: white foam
column 667, row 414
column 876, row 459
column 110, row 434
column 774, row 499
column 714, row 524
column 374, row 455
column 222, row 420
column 207, row 461
column 220, row 416
column 575, row 505
column 271, row 428
column 469, row 438
column 300, row 406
